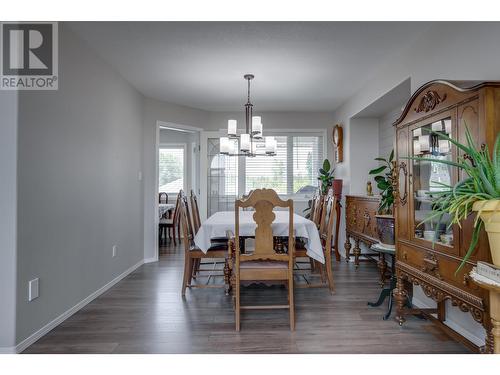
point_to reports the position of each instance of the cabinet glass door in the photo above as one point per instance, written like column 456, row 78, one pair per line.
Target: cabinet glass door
column 430, row 178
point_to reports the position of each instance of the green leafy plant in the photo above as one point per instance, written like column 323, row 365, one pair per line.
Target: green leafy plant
column 383, row 178
column 482, row 184
column 326, row 176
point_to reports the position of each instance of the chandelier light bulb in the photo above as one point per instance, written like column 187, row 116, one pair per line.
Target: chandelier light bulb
column 245, row 142
column 232, row 127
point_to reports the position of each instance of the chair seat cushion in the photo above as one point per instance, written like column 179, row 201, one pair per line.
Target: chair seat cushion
column 166, row 221
column 264, row 264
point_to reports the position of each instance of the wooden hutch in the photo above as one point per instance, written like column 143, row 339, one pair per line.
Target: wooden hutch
column 445, row 107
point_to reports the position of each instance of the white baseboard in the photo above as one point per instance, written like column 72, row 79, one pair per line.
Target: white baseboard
column 151, row 260
column 454, row 325
column 8, row 350
column 61, row 318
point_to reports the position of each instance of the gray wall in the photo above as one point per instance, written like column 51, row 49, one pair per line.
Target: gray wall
column 80, row 152
column 8, row 210
column 386, row 132
column 155, row 111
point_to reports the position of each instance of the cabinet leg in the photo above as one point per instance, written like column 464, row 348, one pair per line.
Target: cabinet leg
column 347, row 247
column 400, row 295
column 382, row 267
column 357, row 252
column 337, row 227
column 495, row 336
column 227, row 277
column 441, row 314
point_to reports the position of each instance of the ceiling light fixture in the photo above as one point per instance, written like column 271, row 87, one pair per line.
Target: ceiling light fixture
column 251, row 141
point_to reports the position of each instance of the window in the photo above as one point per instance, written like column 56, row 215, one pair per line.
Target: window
column 268, row 172
column 307, row 159
column 171, row 169
column 294, row 169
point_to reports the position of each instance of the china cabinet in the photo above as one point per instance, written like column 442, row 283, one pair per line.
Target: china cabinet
column 427, row 253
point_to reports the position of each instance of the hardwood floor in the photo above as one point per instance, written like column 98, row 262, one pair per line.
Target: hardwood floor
column 145, row 313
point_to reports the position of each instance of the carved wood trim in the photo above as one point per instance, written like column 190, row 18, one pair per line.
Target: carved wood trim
column 439, row 291
column 429, row 101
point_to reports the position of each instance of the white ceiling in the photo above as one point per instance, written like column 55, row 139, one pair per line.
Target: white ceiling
column 298, row 66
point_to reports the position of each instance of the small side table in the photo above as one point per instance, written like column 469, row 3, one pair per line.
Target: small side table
column 383, row 250
column 494, row 291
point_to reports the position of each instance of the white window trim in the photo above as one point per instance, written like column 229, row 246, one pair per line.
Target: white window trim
column 184, row 172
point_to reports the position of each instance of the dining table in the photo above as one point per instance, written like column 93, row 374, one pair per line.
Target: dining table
column 217, row 225
column 163, row 208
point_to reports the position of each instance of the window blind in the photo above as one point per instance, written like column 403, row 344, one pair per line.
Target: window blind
column 268, row 172
column 307, row 159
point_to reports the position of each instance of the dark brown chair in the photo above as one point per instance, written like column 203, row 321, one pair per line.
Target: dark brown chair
column 169, row 222
column 162, row 197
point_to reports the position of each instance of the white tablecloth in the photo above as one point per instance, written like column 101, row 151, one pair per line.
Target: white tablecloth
column 164, row 207
column 217, row 225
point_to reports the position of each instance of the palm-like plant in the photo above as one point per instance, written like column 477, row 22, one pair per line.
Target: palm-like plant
column 383, row 179
column 482, row 184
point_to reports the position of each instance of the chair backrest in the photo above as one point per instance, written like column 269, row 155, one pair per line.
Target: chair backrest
column 195, row 212
column 263, row 201
column 176, row 214
column 162, row 197
column 187, row 228
column 317, row 208
column 245, row 197
column 328, row 218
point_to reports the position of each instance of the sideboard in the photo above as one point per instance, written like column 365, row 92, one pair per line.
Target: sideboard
column 361, row 225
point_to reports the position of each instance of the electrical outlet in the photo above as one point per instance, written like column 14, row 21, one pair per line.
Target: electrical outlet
column 33, row 289
column 114, row 251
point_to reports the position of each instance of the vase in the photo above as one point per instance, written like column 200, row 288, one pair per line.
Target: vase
column 489, row 212
column 385, row 230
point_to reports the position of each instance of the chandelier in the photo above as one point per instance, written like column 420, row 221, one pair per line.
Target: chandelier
column 251, row 143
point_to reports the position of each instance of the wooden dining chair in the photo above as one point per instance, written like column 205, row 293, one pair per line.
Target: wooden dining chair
column 192, row 254
column 264, row 263
column 317, row 209
column 163, row 197
column 169, row 222
column 196, row 224
column 326, row 224
column 195, row 212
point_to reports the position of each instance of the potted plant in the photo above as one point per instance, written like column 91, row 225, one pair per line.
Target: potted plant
column 326, row 176
column 327, row 180
column 479, row 192
column 385, row 218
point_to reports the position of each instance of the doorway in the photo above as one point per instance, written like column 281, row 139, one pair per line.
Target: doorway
column 178, row 168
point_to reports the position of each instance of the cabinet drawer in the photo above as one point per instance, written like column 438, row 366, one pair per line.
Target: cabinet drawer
column 439, row 266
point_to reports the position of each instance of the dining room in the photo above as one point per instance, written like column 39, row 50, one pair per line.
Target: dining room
column 251, row 187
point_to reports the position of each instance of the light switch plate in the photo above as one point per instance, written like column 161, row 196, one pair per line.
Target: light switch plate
column 33, row 289
column 113, row 254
